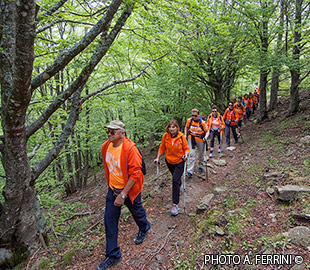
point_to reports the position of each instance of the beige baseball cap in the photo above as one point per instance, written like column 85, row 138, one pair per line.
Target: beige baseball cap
column 116, row 124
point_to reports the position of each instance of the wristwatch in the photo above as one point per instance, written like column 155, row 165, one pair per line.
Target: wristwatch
column 122, row 196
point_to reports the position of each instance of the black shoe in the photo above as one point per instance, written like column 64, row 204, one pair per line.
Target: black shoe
column 140, row 237
column 108, row 262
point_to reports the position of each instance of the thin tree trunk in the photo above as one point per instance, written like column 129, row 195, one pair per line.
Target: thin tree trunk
column 276, row 72
column 263, row 69
column 295, row 70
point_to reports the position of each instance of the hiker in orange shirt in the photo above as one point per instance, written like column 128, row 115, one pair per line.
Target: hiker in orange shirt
column 123, row 172
column 257, row 96
column 231, row 119
column 254, row 101
column 195, row 130
column 240, row 109
column 215, row 127
column 176, row 149
column 248, row 106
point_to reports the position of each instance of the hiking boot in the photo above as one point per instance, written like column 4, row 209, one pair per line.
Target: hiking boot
column 174, row 210
column 238, row 135
column 236, row 141
column 220, row 150
column 140, row 237
column 190, row 175
column 108, row 262
column 211, row 155
column 200, row 169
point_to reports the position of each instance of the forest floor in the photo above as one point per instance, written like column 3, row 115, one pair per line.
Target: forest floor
column 242, row 218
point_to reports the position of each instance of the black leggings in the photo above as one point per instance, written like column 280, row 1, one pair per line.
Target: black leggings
column 212, row 137
column 177, row 172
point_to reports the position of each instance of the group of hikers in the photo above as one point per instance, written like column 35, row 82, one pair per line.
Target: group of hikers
column 123, row 163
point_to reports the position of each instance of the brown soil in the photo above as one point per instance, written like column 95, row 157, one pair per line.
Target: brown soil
column 249, row 217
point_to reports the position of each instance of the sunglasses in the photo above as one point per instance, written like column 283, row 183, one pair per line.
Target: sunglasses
column 214, row 111
column 112, row 132
column 194, row 115
column 230, row 105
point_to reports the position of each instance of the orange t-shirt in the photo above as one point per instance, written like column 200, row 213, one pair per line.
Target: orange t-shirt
column 113, row 161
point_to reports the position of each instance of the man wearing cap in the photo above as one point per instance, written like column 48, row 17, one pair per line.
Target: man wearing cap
column 122, row 165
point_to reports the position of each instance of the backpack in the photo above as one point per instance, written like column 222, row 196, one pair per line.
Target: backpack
column 143, row 166
column 200, row 125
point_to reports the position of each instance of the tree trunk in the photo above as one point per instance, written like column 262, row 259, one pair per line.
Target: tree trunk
column 17, row 215
column 274, row 90
column 263, row 69
column 276, row 72
column 262, row 97
column 295, row 69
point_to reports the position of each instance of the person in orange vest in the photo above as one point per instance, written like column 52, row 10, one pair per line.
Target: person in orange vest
column 248, row 106
column 123, row 172
column 215, row 127
column 240, row 109
column 231, row 119
column 254, row 101
column 257, row 96
column 195, row 130
column 176, row 149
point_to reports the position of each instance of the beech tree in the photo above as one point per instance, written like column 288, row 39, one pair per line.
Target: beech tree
column 298, row 61
column 18, row 83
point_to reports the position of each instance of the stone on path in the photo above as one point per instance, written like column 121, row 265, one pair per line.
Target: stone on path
column 299, row 235
column 204, row 203
column 218, row 190
column 290, row 192
column 270, row 190
column 219, row 231
column 305, row 140
column 231, row 148
column 219, row 162
column 210, row 165
column 299, row 267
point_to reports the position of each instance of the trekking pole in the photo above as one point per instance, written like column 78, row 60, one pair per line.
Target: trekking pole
column 206, row 162
column 158, row 180
column 221, row 144
column 184, row 186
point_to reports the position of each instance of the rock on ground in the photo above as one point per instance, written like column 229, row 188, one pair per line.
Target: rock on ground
column 290, row 192
column 299, row 235
column 204, row 203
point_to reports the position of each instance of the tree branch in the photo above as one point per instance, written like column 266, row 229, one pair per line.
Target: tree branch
column 83, row 76
column 125, row 80
column 44, row 28
column 67, row 55
column 66, row 132
column 52, row 10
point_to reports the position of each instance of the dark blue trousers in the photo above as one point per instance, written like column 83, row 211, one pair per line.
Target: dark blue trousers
column 247, row 113
column 111, row 217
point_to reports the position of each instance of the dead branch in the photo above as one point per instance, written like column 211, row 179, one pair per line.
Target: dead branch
column 34, row 254
column 79, row 215
column 157, row 251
